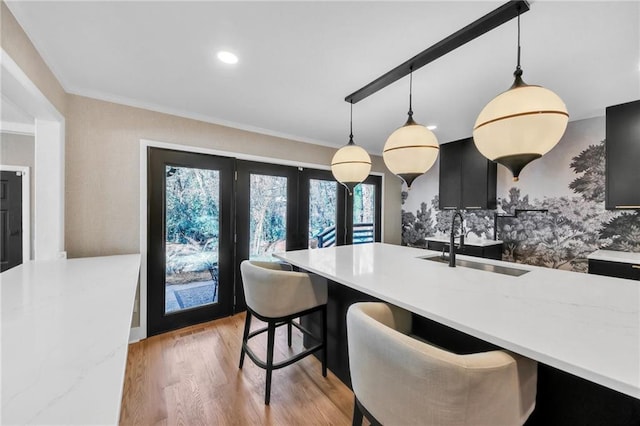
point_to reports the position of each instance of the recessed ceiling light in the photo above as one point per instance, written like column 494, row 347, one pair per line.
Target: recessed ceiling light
column 227, row 57
column 432, row 127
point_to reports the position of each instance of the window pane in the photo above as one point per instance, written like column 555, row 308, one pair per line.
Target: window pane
column 268, row 216
column 192, row 222
column 364, row 208
column 323, row 207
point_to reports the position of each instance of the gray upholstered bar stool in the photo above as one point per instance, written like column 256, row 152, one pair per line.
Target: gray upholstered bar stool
column 400, row 380
column 277, row 297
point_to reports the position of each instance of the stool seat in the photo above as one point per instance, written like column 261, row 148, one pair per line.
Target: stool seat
column 401, row 380
column 277, row 297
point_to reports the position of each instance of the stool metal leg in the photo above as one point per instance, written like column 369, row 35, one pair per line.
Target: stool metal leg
column 247, row 326
column 271, row 332
column 289, row 327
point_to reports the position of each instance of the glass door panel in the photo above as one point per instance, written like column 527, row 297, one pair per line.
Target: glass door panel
column 364, row 209
column 266, row 221
column 192, row 227
column 268, row 216
column 190, row 239
column 323, row 213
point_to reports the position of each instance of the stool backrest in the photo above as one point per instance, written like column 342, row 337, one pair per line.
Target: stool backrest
column 402, row 380
column 273, row 293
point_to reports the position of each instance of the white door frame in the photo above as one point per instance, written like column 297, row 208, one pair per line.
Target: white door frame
column 139, row 333
column 26, row 208
column 48, row 216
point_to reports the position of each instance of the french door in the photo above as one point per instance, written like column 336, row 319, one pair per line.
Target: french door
column 330, row 216
column 190, row 239
column 207, row 214
column 266, row 215
column 321, row 200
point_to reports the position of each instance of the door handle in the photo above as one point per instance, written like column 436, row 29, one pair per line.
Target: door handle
column 635, row 266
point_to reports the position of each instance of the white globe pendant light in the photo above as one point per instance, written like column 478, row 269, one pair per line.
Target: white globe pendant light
column 521, row 124
column 411, row 149
column 351, row 164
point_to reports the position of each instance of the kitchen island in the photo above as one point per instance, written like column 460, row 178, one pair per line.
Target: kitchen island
column 65, row 334
column 584, row 325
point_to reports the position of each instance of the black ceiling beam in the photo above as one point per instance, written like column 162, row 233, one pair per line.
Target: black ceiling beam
column 491, row 20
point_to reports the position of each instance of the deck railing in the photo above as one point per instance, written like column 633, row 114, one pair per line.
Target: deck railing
column 362, row 233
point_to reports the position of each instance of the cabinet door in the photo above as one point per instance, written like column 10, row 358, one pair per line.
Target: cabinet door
column 474, row 251
column 450, row 175
column 435, row 245
column 623, row 156
column 493, row 252
column 478, row 178
column 614, row 269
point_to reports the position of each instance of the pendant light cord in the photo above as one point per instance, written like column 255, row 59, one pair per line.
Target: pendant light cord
column 518, row 71
column 351, row 126
column 410, row 92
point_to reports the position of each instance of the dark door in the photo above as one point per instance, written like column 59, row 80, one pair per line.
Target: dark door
column 190, row 239
column 321, row 200
column 267, row 215
column 365, row 212
column 330, row 216
column 10, row 220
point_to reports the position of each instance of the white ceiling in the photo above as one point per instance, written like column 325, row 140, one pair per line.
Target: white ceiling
column 298, row 60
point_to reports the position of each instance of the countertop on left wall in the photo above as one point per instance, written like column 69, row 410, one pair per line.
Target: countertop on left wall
column 65, row 333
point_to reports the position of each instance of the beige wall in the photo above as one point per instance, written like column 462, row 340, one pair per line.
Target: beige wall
column 18, row 150
column 102, row 169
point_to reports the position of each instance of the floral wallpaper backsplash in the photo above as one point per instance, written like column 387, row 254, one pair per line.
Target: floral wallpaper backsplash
column 569, row 182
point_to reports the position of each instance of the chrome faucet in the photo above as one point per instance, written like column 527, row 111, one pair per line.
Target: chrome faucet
column 452, row 247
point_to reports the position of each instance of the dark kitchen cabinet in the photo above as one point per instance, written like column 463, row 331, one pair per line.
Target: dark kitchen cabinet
column 487, row 252
column 467, row 178
column 623, row 156
column 614, row 269
column 450, row 175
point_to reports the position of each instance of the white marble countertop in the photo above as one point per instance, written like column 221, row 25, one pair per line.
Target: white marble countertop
column 615, row 256
column 477, row 243
column 587, row 325
column 65, row 334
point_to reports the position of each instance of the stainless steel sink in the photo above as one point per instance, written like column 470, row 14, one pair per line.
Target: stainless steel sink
column 498, row 269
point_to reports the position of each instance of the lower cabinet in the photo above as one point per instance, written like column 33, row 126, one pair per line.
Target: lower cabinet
column 488, row 252
column 614, row 269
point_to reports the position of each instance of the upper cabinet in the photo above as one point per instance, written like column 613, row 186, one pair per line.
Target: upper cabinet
column 623, row 156
column 467, row 178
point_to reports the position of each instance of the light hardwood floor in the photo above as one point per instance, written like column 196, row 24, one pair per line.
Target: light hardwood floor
column 191, row 377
